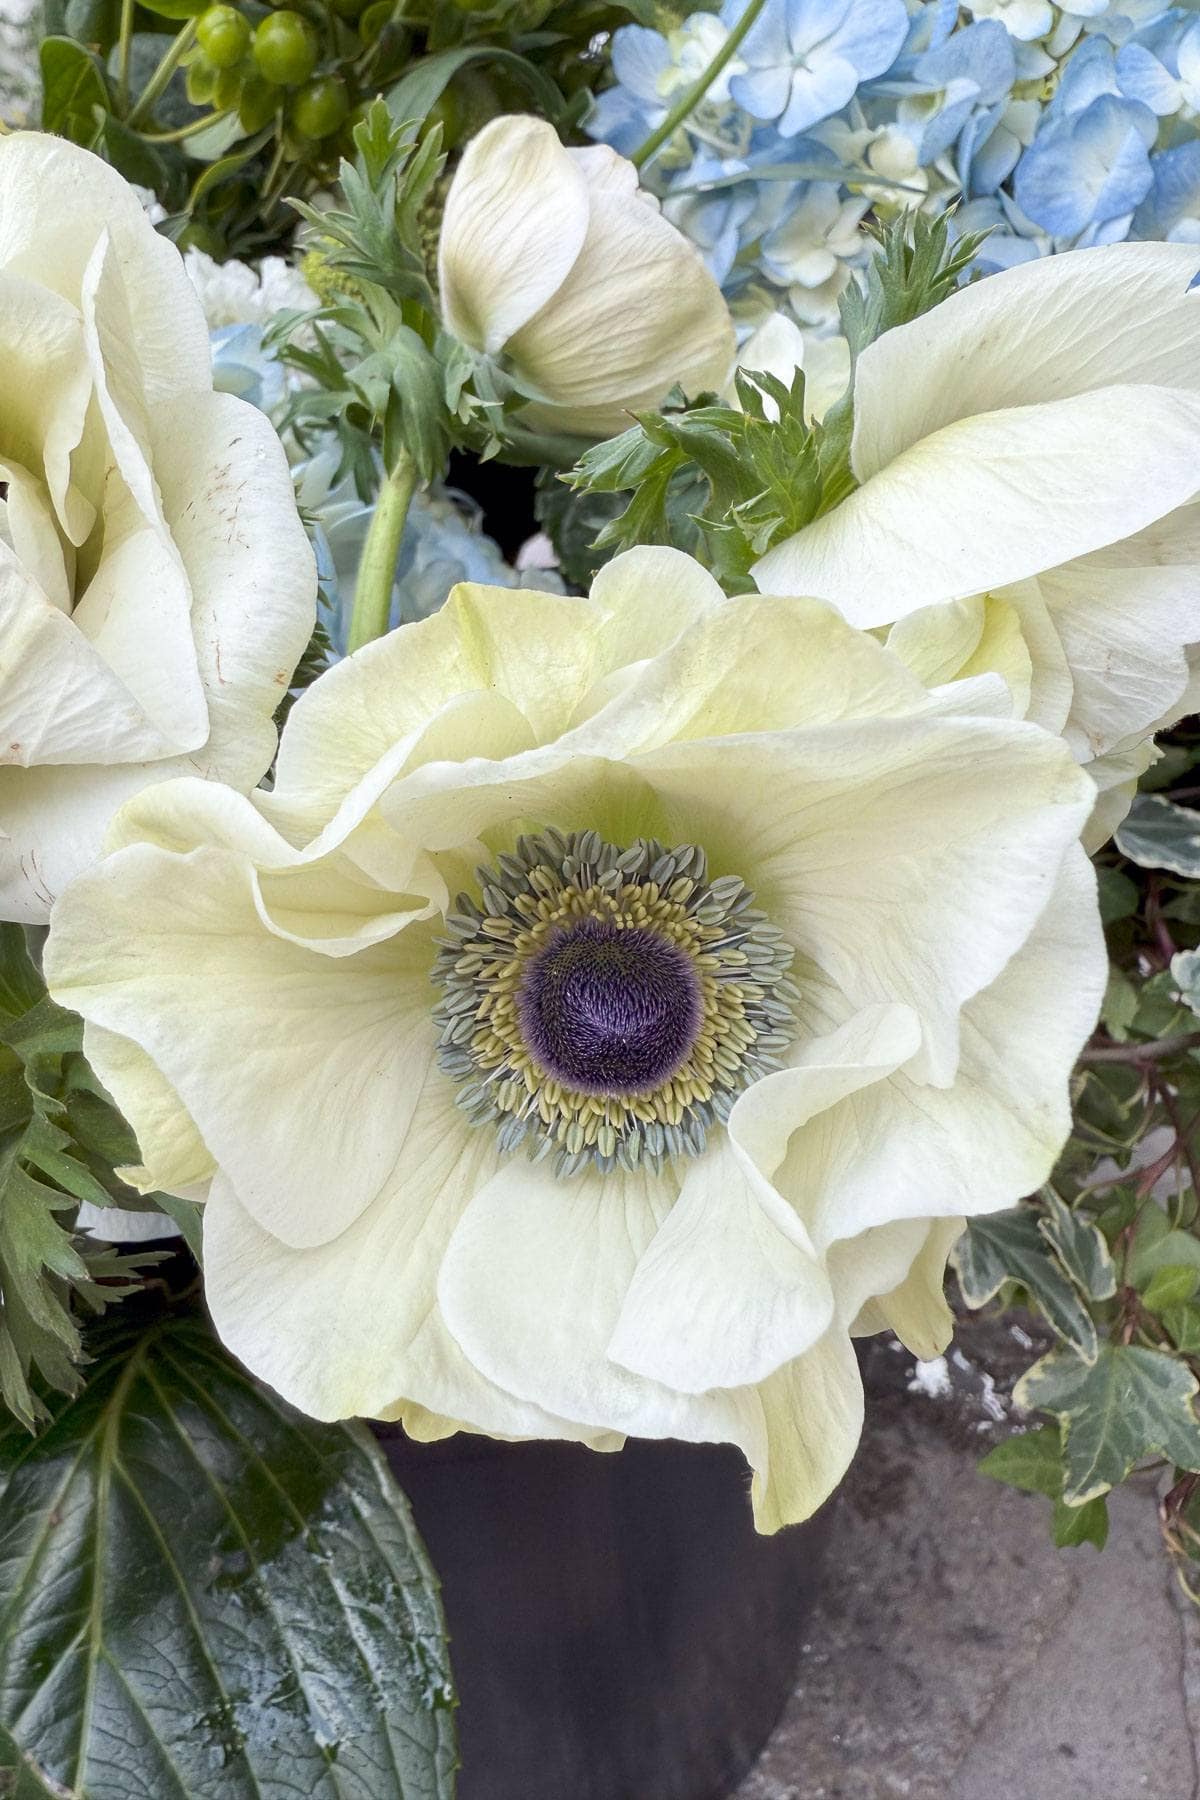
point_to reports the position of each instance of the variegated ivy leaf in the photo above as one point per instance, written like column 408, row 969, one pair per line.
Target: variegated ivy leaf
column 1130, row 1403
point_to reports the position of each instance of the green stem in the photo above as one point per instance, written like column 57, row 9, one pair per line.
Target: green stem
column 176, row 50
column 377, row 570
column 123, row 47
column 699, row 88
column 183, row 131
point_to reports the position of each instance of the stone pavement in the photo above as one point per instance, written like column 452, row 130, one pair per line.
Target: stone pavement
column 955, row 1654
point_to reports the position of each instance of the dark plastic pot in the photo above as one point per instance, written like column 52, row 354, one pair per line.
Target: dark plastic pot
column 618, row 1629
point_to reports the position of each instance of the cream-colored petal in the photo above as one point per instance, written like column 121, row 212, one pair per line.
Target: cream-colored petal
column 962, row 639
column 55, row 199
column 1044, row 331
column 135, row 612
column 916, row 1309
column 1123, row 623
column 532, row 1287
column 47, row 385
column 729, row 1287
column 495, row 672
column 1116, row 777
column 638, row 313
column 60, row 699
column 993, row 498
column 908, row 858
column 173, row 1153
column 515, row 221
column 352, row 1327
column 30, row 534
column 899, row 1148
column 250, row 568
column 53, row 821
column 813, row 1418
column 300, row 1070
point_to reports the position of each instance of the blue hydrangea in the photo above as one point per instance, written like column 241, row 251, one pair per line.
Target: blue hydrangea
column 804, row 59
column 242, row 366
column 1051, row 126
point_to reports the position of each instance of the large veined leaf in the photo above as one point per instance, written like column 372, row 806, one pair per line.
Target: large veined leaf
column 204, row 1596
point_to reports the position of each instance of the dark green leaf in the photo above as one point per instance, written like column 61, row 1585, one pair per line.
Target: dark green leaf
column 1079, row 1247
column 1160, row 835
column 203, row 1594
column 72, row 84
column 1171, row 1286
column 1118, row 896
column 1009, row 1246
column 1032, row 1461
column 423, row 85
column 1086, row 1524
column 1131, row 1403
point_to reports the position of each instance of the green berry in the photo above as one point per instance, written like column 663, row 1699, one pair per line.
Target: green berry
column 228, row 90
column 257, row 105
column 200, row 82
column 319, row 108
column 224, row 36
column 285, row 49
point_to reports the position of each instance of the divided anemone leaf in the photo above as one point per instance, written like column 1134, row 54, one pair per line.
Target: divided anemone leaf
column 60, row 1137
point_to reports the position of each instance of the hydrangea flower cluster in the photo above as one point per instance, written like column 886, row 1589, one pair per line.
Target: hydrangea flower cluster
column 1054, row 127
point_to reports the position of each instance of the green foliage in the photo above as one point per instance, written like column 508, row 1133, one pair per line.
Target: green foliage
column 917, row 266
column 1056, row 1264
column 1033, row 1462
column 201, row 1587
column 1160, row 835
column 225, row 109
column 727, row 482
column 60, row 1139
column 1130, row 1404
column 722, row 482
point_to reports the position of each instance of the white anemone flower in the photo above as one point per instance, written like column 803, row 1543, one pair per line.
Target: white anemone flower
column 1028, row 459
column 557, row 260
column 616, row 1004
column 156, row 585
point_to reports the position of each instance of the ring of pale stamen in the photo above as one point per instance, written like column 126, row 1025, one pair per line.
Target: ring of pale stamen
column 550, row 888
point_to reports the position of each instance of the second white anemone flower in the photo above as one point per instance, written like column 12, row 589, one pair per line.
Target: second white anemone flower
column 615, row 1006
column 557, row 259
column 1028, row 459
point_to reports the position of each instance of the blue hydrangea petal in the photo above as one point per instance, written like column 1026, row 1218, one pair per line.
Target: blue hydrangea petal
column 1087, row 170
column 1141, row 76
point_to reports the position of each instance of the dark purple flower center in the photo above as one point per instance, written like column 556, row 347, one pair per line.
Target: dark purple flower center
column 610, row 1010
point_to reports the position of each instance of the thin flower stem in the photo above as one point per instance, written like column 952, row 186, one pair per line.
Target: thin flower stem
column 183, row 131
column 699, row 88
column 1141, row 1054
column 176, row 50
column 377, row 570
column 124, row 43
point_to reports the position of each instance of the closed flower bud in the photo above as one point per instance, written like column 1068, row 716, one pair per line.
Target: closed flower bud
column 556, row 259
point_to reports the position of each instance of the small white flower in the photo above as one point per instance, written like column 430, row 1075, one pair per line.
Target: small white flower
column 232, row 293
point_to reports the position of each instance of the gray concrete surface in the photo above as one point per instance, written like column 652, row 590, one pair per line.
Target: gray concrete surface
column 955, row 1653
